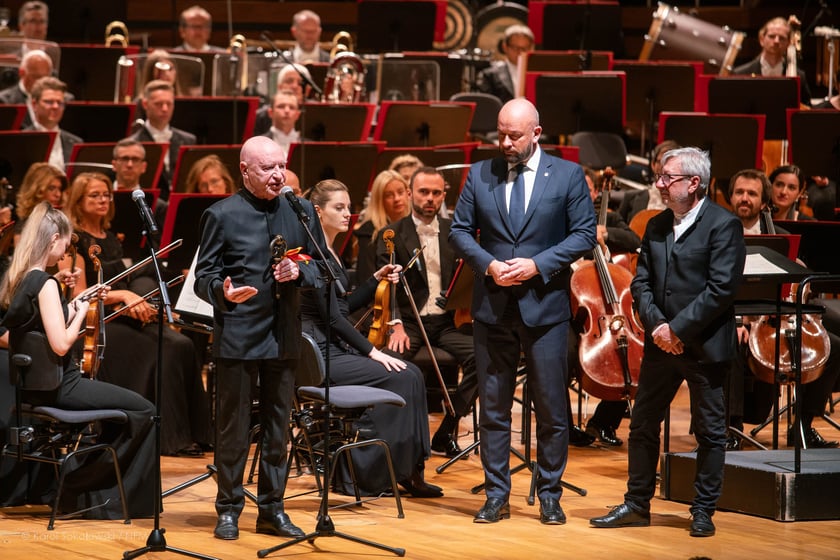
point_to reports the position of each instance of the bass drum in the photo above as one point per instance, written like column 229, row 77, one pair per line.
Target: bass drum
column 491, row 23
column 460, row 30
column 677, row 36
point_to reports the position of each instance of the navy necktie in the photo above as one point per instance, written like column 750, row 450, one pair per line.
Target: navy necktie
column 516, row 208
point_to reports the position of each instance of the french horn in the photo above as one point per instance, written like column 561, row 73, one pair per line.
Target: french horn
column 238, row 51
column 116, row 32
column 345, row 80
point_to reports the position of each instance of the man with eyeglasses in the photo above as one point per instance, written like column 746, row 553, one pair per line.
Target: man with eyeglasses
column 129, row 163
column 689, row 269
column 194, row 27
column 502, row 78
column 33, row 19
column 47, row 100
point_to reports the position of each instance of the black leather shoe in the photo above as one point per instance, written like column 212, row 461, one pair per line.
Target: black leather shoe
column 493, row 510
column 813, row 440
column 733, row 444
column 701, row 524
column 421, row 489
column 550, row 512
column 226, row 527
column 622, row 516
column 445, row 444
column 604, row 435
column 279, row 524
column 579, row 438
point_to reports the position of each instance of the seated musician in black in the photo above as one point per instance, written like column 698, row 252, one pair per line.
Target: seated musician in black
column 130, row 355
column 356, row 361
column 32, row 301
column 428, row 278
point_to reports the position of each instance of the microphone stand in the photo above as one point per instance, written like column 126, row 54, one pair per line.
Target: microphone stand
column 156, row 542
column 308, row 81
column 324, row 526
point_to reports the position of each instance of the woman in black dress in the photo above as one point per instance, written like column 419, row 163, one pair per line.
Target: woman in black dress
column 32, row 301
column 355, row 361
column 130, row 358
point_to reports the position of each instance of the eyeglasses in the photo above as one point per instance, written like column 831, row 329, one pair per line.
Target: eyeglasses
column 99, row 196
column 130, row 159
column 51, row 102
column 668, row 179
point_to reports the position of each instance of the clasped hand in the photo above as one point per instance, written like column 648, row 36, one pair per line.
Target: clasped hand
column 512, row 272
column 667, row 340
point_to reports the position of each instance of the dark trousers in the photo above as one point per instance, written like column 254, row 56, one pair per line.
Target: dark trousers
column 233, row 420
column 660, row 378
column 497, row 352
column 442, row 333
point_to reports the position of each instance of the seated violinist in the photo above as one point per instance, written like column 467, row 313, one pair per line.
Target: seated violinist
column 355, row 360
column 428, row 278
column 130, row 355
column 749, row 193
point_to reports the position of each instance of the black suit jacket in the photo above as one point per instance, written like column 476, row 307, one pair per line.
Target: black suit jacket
column 67, row 139
column 496, row 80
column 691, row 283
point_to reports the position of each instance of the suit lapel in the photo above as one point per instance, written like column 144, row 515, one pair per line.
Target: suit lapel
column 500, row 172
column 538, row 192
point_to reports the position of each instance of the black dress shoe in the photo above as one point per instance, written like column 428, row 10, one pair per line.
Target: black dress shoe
column 813, row 440
column 701, row 524
column 493, row 510
column 445, row 444
column 550, row 512
column 622, row 516
column 421, row 489
column 226, row 527
column 733, row 444
column 279, row 524
column 604, row 435
column 579, row 438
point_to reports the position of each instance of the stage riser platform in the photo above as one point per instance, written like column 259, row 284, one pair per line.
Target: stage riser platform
column 764, row 483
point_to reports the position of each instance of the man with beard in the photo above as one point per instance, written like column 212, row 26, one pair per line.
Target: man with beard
column 536, row 218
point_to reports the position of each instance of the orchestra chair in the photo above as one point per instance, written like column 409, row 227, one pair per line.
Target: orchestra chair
column 484, row 122
column 53, row 435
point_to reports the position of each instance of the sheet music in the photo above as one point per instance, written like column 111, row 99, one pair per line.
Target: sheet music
column 188, row 302
column 756, row 264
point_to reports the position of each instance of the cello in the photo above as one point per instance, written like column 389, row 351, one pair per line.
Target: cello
column 611, row 345
column 94, row 334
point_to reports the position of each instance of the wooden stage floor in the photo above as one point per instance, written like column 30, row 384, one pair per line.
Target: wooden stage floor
column 442, row 528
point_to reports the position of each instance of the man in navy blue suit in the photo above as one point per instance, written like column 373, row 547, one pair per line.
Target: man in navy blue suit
column 535, row 218
column 689, row 269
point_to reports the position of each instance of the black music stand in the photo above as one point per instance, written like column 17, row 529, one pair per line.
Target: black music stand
column 408, row 123
column 815, row 142
column 19, row 150
column 103, row 152
column 11, row 116
column 566, row 25
column 338, row 122
column 90, row 71
column 747, row 95
column 350, row 162
column 129, row 228
column 575, row 102
column 188, row 155
column 453, row 161
column 183, row 216
column 656, row 86
column 98, row 121
column 566, row 61
column 389, row 26
column 216, row 120
column 734, row 142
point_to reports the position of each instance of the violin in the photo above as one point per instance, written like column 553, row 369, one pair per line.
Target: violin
column 94, row 336
column 612, row 343
column 384, row 301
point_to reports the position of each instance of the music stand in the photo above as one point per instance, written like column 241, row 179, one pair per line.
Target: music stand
column 452, row 161
column 566, row 61
column 188, row 155
column 182, row 222
column 817, row 247
column 212, row 119
column 734, row 142
column 11, row 116
column 815, row 141
column 407, row 123
column 574, row 102
column 747, row 95
column 565, row 25
column 98, row 121
column 19, row 150
column 394, row 26
column 90, row 71
column 656, row 86
column 353, row 163
column 338, row 122
column 129, row 227
column 103, row 153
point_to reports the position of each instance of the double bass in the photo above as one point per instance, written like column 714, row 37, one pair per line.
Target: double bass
column 612, row 342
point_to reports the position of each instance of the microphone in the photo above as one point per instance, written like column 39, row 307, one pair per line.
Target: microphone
column 289, row 193
column 139, row 198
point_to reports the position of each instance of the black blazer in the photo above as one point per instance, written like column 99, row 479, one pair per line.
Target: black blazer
column 496, row 80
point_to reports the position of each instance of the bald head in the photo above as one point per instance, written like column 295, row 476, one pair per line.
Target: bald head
column 262, row 163
column 519, row 130
column 34, row 65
